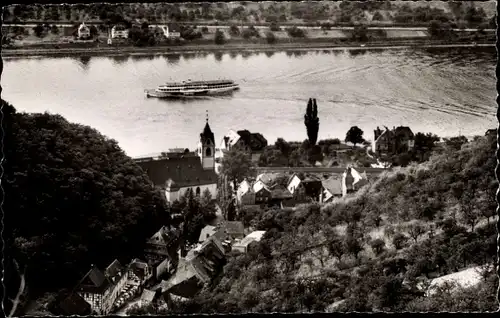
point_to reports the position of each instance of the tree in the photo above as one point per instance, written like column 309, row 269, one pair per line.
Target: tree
column 415, row 229
column 274, row 27
column 399, row 240
column 354, row 135
column 237, row 165
column 219, row 37
column 88, row 202
column 54, row 29
column 270, row 38
column 234, row 30
column 39, row 30
column 469, row 211
column 296, row 32
column 377, row 246
column 311, row 121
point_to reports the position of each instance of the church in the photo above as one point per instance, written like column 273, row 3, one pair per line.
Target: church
column 177, row 171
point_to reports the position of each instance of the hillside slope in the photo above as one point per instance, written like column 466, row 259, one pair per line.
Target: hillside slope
column 370, row 252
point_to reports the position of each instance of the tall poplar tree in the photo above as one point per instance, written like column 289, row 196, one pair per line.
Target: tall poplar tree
column 311, row 121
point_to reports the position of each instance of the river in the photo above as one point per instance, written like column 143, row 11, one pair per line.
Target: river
column 448, row 92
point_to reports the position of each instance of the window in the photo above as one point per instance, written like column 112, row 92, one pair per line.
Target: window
column 208, row 152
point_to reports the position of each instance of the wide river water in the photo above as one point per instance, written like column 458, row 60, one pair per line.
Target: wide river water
column 444, row 91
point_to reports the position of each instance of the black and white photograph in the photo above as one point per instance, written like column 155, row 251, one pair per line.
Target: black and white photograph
column 235, row 157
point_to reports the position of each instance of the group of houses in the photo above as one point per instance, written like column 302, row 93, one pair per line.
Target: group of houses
column 103, row 292
column 391, row 141
column 120, row 31
column 286, row 190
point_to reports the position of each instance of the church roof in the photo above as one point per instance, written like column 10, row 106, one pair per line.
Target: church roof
column 207, row 134
column 178, row 172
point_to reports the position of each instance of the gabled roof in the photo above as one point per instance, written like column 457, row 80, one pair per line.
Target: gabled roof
column 93, row 282
column 259, row 185
column 148, row 295
column 163, row 236
column 280, row 192
column 269, row 178
column 173, row 27
column 177, row 172
column 233, row 227
column 206, row 232
column 404, row 130
column 72, row 304
column 333, row 185
column 113, row 269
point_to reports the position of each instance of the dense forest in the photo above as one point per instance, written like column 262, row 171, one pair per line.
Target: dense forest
column 340, row 12
column 73, row 199
column 375, row 250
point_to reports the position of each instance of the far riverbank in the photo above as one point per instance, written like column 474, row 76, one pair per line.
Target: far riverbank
column 133, row 50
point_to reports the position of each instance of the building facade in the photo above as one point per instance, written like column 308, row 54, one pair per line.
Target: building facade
column 119, row 31
column 177, row 172
column 83, row 31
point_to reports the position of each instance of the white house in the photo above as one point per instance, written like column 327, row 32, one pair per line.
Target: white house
column 171, row 31
column 352, row 180
column 242, row 246
column 245, row 193
column 83, row 31
column 177, row 172
column 119, row 32
column 332, row 188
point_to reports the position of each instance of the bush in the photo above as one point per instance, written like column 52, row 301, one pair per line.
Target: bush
column 270, row 38
column 219, row 37
column 274, row 27
column 296, row 32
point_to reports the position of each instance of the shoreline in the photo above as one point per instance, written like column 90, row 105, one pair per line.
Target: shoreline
column 132, row 50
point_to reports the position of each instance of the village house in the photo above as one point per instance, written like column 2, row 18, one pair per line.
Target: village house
column 398, row 140
column 161, row 252
column 304, row 188
column 147, row 297
column 175, row 173
column 253, row 143
column 491, row 132
column 332, row 188
column 70, row 304
column 262, row 193
column 139, row 272
column 353, row 180
column 119, row 31
column 245, row 194
column 242, row 246
column 280, row 196
column 224, row 231
column 200, row 266
column 171, row 31
column 83, row 31
column 100, row 290
column 118, row 275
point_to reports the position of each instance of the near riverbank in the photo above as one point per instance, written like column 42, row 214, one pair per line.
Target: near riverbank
column 133, row 50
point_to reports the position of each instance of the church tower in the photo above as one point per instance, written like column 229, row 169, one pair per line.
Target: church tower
column 206, row 147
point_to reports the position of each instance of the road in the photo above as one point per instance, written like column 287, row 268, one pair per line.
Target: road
column 337, row 28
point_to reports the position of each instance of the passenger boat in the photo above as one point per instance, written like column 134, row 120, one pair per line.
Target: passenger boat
column 192, row 88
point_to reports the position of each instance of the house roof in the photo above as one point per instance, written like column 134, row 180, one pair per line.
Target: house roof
column 113, row 269
column 93, row 282
column 163, row 236
column 280, row 192
column 71, row 304
column 206, row 232
column 333, row 185
column 260, row 185
column 148, row 295
column 269, row 178
column 173, row 27
column 404, row 130
column 178, row 172
column 183, row 275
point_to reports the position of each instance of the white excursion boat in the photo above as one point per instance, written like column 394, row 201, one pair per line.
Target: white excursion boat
column 192, row 88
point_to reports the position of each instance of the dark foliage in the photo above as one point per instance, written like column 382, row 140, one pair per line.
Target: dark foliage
column 311, row 121
column 74, row 199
